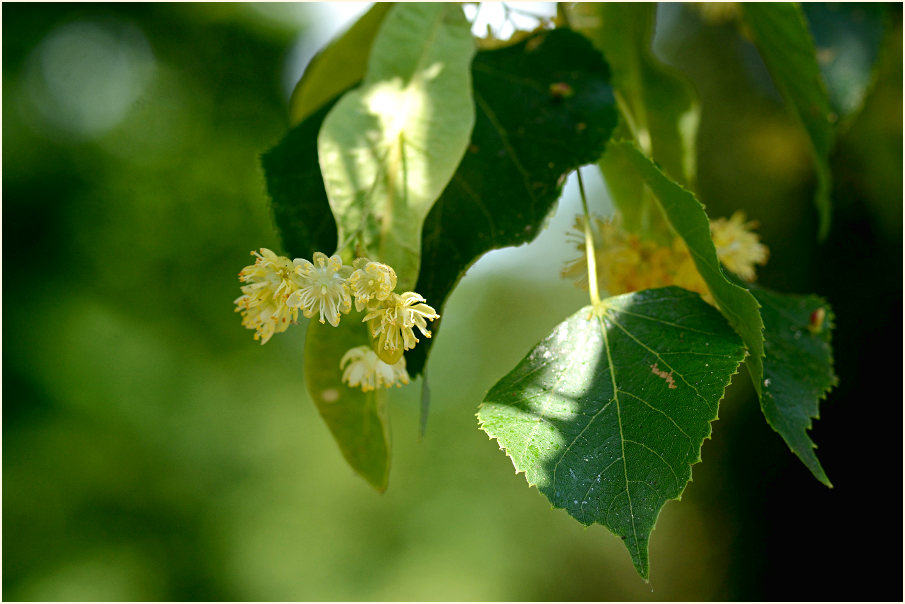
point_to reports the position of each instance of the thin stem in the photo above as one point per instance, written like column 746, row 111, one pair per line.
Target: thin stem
column 589, row 245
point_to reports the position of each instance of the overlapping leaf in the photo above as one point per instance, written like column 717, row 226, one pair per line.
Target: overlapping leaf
column 544, row 107
column 798, row 368
column 608, row 413
column 525, row 141
column 687, row 217
column 296, row 189
column 659, row 107
column 358, row 420
column 338, row 67
column 785, row 44
column 388, row 148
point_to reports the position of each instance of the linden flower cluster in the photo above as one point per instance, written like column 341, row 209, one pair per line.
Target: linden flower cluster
column 277, row 288
column 627, row 263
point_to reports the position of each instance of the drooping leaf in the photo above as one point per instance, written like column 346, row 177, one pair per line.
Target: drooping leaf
column 785, row 44
column 339, row 66
column 544, row 107
column 687, row 217
column 358, row 420
column 848, row 36
column 296, row 189
column 798, row 368
column 608, row 413
column 388, row 148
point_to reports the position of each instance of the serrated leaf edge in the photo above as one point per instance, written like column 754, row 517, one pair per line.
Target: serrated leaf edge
column 645, row 575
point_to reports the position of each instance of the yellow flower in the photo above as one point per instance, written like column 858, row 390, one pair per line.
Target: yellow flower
column 738, row 248
column 263, row 303
column 321, row 288
column 371, row 280
column 362, row 367
column 627, row 263
column 391, row 321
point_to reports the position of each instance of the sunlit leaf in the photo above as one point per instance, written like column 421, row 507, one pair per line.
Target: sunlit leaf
column 358, row 420
column 339, row 66
column 781, row 35
column 608, row 413
column 544, row 107
column 687, row 217
column 388, row 148
column 798, row 368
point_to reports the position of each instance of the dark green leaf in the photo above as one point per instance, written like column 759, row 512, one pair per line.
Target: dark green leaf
column 781, row 35
column 608, row 413
column 296, row 188
column 686, row 215
column 848, row 37
column 358, row 420
column 544, row 107
column 388, row 148
column 798, row 368
column 339, row 66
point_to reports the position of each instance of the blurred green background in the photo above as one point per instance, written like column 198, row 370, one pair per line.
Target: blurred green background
column 153, row 451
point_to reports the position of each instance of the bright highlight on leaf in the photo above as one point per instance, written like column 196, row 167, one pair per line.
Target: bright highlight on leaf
column 608, row 413
column 388, row 148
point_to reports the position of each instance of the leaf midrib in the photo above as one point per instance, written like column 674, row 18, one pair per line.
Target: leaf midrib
column 628, row 494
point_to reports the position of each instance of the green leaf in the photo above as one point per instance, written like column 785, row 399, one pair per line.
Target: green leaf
column 659, row 108
column 687, row 217
column 527, row 138
column 504, row 188
column 296, row 189
column 388, row 148
column 339, row 66
column 608, row 413
column 848, row 36
column 798, row 368
column 358, row 420
column 781, row 35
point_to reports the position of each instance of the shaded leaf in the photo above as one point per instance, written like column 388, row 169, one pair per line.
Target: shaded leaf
column 608, row 413
column 785, row 44
column 527, row 138
column 296, row 188
column 687, row 217
column 798, row 368
column 358, row 420
column 847, row 36
column 388, row 148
